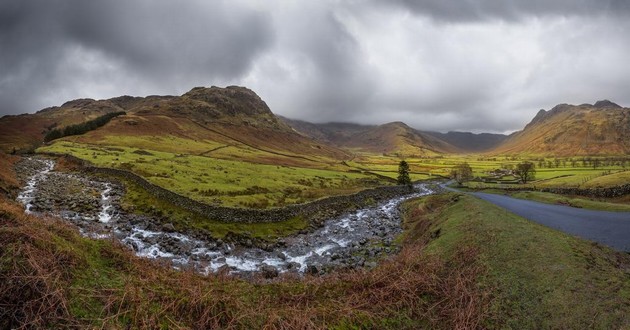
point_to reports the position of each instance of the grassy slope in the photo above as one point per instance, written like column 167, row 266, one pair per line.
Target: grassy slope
column 7, row 175
column 540, row 278
column 60, row 279
column 572, row 130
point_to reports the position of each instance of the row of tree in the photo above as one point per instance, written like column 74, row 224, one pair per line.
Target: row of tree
column 462, row 172
column 524, row 172
column 82, row 128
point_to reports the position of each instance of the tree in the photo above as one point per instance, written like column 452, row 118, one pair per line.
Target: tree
column 403, row 173
column 461, row 173
column 525, row 171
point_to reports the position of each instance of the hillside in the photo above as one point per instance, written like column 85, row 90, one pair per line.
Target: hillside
column 470, row 142
column 217, row 117
column 392, row 138
column 26, row 132
column 570, row 130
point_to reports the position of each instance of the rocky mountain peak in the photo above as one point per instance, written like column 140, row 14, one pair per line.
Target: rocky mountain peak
column 231, row 100
column 606, row 104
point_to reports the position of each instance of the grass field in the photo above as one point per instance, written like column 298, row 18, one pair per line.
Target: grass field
column 540, row 278
column 225, row 182
column 564, row 175
column 138, row 200
column 241, row 176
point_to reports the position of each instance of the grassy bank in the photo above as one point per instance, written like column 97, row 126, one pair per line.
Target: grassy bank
column 539, row 277
column 59, row 279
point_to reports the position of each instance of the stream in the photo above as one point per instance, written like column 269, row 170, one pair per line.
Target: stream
column 356, row 239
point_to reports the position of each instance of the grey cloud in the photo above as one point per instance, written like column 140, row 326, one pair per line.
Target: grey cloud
column 157, row 44
column 477, row 65
column 510, row 10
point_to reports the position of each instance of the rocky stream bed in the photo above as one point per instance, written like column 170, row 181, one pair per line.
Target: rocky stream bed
column 357, row 239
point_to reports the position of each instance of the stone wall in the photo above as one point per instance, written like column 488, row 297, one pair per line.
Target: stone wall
column 315, row 211
column 610, row 192
column 592, row 192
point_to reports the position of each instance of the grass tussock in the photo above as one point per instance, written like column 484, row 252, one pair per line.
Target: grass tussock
column 56, row 278
column 34, row 272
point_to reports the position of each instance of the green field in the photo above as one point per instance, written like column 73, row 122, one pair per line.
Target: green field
column 224, row 182
column 240, row 176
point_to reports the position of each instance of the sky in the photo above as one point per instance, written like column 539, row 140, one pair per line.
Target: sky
column 441, row 65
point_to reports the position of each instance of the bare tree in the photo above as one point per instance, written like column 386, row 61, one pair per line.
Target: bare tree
column 525, row 171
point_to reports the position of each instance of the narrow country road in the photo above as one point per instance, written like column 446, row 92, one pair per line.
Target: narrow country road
column 608, row 228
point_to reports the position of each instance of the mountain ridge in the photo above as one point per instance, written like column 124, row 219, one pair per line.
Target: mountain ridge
column 602, row 128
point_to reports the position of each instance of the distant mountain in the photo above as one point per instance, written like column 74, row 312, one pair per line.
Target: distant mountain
column 568, row 130
column 230, row 116
column 470, row 142
column 392, row 138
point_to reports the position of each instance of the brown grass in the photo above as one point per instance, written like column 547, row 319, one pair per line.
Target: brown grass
column 8, row 181
column 48, row 270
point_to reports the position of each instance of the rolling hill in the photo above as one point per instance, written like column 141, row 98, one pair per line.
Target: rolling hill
column 392, row 138
column 203, row 119
column 569, row 130
column 470, row 142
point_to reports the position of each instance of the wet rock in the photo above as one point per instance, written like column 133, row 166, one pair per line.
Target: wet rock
column 269, row 271
column 280, row 255
column 293, row 265
column 169, row 228
column 312, row 270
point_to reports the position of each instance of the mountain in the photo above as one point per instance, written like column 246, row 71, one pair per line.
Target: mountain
column 220, row 117
column 470, row 142
column 569, row 130
column 392, row 138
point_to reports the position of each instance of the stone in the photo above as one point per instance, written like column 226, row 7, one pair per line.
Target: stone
column 269, row 272
column 312, row 270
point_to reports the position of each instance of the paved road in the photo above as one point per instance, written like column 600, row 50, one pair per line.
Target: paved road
column 608, row 228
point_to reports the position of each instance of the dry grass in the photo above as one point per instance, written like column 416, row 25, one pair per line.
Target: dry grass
column 8, row 181
column 34, row 272
column 51, row 270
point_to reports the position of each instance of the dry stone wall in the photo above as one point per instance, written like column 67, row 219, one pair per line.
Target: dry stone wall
column 315, row 211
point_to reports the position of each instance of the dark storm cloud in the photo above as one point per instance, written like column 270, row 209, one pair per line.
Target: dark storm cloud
column 480, row 65
column 475, row 10
column 49, row 47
